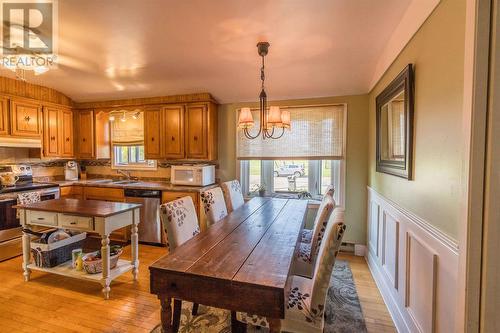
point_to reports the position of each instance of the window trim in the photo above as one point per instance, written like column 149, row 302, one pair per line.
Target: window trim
column 132, row 166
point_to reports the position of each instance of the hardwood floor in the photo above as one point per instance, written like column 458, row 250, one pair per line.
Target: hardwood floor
column 51, row 303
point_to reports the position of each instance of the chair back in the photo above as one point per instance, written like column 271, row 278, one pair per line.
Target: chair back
column 179, row 220
column 320, row 223
column 330, row 190
column 214, row 205
column 326, row 259
column 233, row 195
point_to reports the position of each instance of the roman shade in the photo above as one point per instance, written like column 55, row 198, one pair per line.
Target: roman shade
column 317, row 132
column 129, row 132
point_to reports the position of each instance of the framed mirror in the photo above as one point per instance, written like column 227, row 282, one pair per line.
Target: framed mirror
column 394, row 106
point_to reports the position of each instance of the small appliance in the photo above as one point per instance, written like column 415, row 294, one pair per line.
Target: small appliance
column 193, row 175
column 71, row 170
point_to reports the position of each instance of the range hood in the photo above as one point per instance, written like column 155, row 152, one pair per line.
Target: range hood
column 20, row 142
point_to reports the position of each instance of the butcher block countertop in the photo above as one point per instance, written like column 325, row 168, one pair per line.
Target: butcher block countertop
column 141, row 185
column 96, row 208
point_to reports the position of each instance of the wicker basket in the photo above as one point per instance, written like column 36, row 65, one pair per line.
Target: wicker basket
column 51, row 255
column 95, row 266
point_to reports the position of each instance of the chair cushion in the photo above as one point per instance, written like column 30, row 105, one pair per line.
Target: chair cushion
column 233, row 195
column 306, row 236
column 214, row 205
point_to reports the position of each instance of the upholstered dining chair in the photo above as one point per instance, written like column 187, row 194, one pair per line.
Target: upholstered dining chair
column 180, row 223
column 305, row 306
column 307, row 234
column 214, row 205
column 233, row 195
column 27, row 198
column 307, row 252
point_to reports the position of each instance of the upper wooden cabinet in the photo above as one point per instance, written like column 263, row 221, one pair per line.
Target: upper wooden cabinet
column 4, row 116
column 58, row 132
column 25, row 118
column 187, row 131
column 153, row 133
column 92, row 133
column 85, row 138
column 174, row 131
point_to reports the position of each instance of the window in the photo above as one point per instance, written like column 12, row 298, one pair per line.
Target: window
column 127, row 140
column 130, row 156
column 308, row 158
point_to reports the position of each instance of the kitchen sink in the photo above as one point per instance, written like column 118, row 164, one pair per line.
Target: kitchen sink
column 124, row 182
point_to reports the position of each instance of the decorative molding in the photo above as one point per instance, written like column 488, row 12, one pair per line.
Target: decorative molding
column 17, row 88
column 414, row 264
column 188, row 98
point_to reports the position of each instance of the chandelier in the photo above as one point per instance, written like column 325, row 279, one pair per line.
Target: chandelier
column 272, row 119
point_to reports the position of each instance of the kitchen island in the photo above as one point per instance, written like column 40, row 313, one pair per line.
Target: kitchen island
column 102, row 217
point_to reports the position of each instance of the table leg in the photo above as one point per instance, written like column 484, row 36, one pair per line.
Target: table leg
column 105, row 281
column 166, row 313
column 134, row 239
column 26, row 256
column 236, row 325
column 274, row 325
column 176, row 320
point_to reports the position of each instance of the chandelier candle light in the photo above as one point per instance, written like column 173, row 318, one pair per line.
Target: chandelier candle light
column 271, row 118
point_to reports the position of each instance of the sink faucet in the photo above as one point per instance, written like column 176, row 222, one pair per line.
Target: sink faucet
column 124, row 173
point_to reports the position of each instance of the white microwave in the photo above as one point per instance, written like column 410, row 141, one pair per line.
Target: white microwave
column 194, row 175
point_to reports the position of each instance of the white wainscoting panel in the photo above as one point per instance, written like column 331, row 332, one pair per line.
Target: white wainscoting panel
column 415, row 266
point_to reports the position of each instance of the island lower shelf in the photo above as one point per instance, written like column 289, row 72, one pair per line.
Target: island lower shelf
column 66, row 269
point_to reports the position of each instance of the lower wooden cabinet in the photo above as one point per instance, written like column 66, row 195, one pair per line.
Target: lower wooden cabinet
column 74, row 192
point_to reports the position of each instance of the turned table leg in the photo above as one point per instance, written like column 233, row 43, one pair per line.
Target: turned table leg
column 105, row 281
column 274, row 325
column 166, row 313
column 26, row 256
column 134, row 239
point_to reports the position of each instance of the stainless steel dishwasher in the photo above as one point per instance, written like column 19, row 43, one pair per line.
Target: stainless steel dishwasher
column 150, row 230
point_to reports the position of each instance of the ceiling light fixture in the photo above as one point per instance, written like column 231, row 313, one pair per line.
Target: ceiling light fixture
column 270, row 118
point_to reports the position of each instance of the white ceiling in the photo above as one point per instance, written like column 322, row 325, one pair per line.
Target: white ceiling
column 129, row 48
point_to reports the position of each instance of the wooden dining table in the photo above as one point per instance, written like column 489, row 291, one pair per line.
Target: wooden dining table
column 241, row 263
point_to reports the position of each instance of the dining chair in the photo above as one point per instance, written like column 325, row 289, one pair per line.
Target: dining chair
column 307, row 252
column 180, row 223
column 214, row 205
column 27, row 198
column 233, row 195
column 305, row 305
column 307, row 234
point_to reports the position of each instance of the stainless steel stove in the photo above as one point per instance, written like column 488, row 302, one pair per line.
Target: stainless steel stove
column 10, row 229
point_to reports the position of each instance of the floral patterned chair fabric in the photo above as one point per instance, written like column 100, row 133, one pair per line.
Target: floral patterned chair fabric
column 179, row 221
column 214, row 205
column 233, row 195
column 307, row 234
column 304, row 262
column 306, row 300
column 27, row 198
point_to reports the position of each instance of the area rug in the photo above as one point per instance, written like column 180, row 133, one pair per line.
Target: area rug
column 343, row 312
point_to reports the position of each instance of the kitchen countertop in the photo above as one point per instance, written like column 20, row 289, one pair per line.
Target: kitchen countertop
column 141, row 185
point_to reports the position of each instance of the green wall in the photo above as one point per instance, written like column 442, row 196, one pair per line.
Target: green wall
column 356, row 159
column 437, row 51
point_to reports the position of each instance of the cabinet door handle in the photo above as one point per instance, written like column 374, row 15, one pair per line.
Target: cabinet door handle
column 195, row 138
column 72, row 223
column 67, row 139
column 173, row 138
column 152, row 139
column 27, row 118
column 41, row 218
column 52, row 138
column 84, row 140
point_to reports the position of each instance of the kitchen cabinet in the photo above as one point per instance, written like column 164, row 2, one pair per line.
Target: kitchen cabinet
column 153, row 133
column 109, row 194
column 182, row 132
column 85, row 138
column 74, row 192
column 174, row 131
column 4, row 116
column 25, row 118
column 58, row 132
